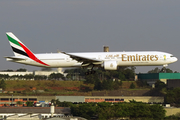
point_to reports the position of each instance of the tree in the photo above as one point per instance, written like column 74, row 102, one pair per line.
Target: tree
column 98, row 85
column 86, row 110
column 168, row 70
column 61, row 104
column 157, row 70
column 106, row 110
column 121, row 76
column 160, row 85
column 29, row 76
column 142, row 83
column 117, row 84
column 129, row 73
column 4, row 76
column 132, row 86
column 107, row 85
column 173, row 96
column 3, row 84
column 56, row 76
column 40, row 77
column 121, row 73
column 91, row 78
column 80, row 71
column 21, row 70
column 19, row 103
column 29, row 104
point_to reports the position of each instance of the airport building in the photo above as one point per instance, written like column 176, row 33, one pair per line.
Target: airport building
column 173, row 83
column 16, row 73
column 43, row 112
column 9, row 100
column 151, row 78
column 46, row 73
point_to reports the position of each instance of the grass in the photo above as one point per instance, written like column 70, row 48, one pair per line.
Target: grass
column 43, row 84
column 53, row 87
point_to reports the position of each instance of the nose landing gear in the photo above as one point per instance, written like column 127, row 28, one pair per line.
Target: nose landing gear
column 163, row 70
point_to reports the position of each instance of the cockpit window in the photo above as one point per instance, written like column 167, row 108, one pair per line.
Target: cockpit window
column 171, row 56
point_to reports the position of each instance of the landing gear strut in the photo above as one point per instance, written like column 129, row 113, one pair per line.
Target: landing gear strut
column 163, row 70
column 91, row 71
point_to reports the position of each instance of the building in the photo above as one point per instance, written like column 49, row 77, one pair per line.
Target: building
column 5, row 75
column 173, row 83
column 15, row 73
column 151, row 78
column 8, row 100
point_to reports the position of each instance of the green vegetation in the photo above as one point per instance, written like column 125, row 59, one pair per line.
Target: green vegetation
column 55, row 87
column 21, row 70
column 105, row 110
column 103, row 80
column 172, row 117
column 157, row 70
column 56, row 76
column 57, row 103
column 173, row 97
column 123, row 73
column 19, row 103
column 29, row 104
column 2, row 84
column 132, row 86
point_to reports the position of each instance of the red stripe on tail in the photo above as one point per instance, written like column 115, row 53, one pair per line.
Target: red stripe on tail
column 31, row 55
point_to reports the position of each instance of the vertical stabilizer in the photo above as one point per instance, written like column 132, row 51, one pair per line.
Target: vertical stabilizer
column 20, row 49
column 16, row 45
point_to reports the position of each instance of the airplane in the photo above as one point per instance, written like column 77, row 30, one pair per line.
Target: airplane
column 107, row 60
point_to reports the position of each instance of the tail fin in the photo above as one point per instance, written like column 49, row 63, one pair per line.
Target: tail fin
column 17, row 46
column 20, row 49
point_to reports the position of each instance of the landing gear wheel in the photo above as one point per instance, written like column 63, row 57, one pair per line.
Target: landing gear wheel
column 90, row 71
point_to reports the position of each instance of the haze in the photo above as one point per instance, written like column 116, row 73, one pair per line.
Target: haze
column 46, row 26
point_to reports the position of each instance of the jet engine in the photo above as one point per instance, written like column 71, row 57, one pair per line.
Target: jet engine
column 110, row 65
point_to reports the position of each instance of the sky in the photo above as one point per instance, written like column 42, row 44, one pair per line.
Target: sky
column 46, row 26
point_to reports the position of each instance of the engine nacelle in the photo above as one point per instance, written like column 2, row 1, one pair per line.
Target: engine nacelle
column 110, row 65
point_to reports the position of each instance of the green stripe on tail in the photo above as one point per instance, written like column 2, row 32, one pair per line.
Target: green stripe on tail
column 13, row 41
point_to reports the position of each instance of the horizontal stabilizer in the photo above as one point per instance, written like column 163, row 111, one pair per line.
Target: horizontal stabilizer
column 15, row 57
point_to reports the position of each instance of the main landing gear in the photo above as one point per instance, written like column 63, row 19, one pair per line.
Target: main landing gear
column 90, row 71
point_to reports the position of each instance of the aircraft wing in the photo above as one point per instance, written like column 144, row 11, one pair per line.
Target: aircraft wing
column 84, row 60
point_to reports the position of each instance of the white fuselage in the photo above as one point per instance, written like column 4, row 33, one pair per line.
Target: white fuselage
column 145, row 58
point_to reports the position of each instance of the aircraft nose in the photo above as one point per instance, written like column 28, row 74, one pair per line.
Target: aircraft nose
column 175, row 59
